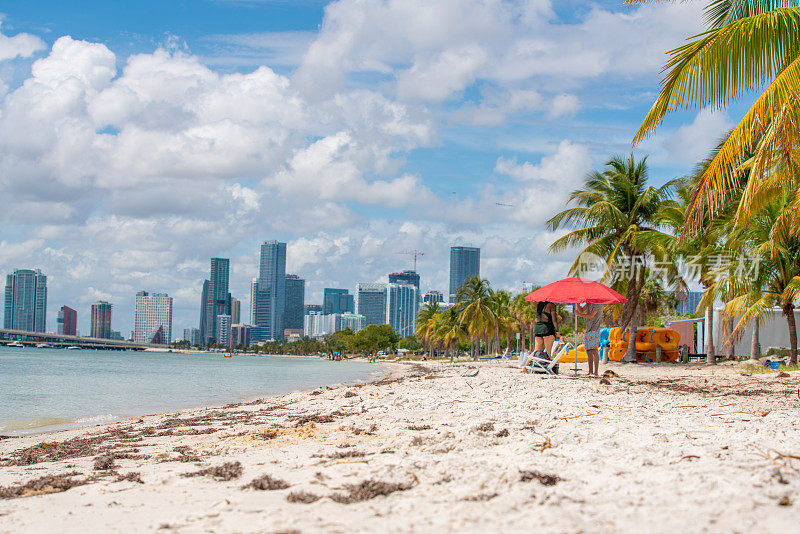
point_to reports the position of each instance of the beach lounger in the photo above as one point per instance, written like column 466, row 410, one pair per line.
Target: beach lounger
column 498, row 357
column 540, row 363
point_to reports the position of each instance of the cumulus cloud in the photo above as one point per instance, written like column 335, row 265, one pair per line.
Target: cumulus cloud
column 19, row 45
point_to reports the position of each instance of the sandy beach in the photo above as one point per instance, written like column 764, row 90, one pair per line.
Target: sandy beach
column 435, row 447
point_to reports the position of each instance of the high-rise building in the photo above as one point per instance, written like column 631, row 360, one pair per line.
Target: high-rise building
column 253, row 290
column 236, row 310
column 223, row 332
column 464, row 263
column 402, row 305
column 295, row 300
column 240, row 335
column 433, row 296
column 317, row 325
column 218, row 302
column 152, row 321
column 405, row 277
column 308, row 308
column 26, row 301
column 270, row 302
column 67, row 321
column 192, row 335
column 689, row 306
column 372, row 302
column 100, row 326
column 203, row 312
column 337, row 301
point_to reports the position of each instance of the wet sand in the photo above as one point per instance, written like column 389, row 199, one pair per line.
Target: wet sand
column 434, row 447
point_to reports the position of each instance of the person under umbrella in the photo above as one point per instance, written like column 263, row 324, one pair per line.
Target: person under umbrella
column 593, row 313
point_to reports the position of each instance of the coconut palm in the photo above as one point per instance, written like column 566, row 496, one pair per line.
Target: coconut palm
column 619, row 218
column 749, row 45
column 525, row 318
column 476, row 312
column 776, row 280
column 449, row 331
column 426, row 325
column 504, row 323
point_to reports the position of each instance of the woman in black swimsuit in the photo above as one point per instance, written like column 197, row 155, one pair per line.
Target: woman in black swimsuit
column 546, row 327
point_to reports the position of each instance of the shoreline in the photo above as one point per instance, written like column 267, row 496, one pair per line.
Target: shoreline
column 42, row 425
column 434, row 447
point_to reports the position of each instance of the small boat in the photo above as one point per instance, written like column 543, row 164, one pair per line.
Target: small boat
column 226, row 355
column 16, row 344
column 73, row 348
column 42, row 346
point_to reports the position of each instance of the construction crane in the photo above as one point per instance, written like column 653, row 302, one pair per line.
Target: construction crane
column 414, row 253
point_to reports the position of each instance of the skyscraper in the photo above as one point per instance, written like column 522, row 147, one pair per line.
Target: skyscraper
column 192, row 335
column 433, row 296
column 203, row 312
column 295, row 301
column 270, row 302
column 253, row 291
column 405, row 277
column 223, row 332
column 337, row 301
column 236, row 310
column 25, row 300
column 372, row 303
column 152, row 318
column 308, row 308
column 218, row 302
column 464, row 263
column 67, row 321
column 402, row 305
column 101, row 320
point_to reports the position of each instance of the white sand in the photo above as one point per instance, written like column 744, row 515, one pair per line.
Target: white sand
column 695, row 452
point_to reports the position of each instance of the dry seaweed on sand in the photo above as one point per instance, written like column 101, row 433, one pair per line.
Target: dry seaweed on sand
column 349, row 394
column 53, row 451
column 609, row 374
column 266, row 482
column 338, row 455
column 481, row 497
column 502, row 434
column 104, row 462
column 543, row 478
column 419, row 427
column 368, row 489
column 133, row 476
column 302, row 497
column 226, row 471
column 42, row 485
column 484, row 427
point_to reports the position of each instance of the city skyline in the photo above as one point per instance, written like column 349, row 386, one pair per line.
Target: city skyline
column 347, row 152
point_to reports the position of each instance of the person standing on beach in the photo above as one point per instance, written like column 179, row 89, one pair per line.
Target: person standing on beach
column 546, row 327
column 593, row 313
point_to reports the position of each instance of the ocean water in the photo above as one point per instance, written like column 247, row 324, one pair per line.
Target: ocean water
column 50, row 389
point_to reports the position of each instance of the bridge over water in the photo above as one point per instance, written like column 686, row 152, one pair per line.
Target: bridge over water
column 31, row 339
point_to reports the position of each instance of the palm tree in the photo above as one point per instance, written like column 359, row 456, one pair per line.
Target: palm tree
column 504, row 323
column 619, row 217
column 525, row 318
column 449, row 330
column 426, row 325
column 476, row 313
column 776, row 281
column 749, row 45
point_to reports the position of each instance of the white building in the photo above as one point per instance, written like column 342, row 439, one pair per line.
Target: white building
column 240, row 334
column 317, row 325
column 223, row 333
column 192, row 335
column 152, row 318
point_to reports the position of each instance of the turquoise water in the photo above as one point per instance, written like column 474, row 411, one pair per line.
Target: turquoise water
column 47, row 389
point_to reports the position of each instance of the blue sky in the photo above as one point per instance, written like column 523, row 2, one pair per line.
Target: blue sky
column 139, row 139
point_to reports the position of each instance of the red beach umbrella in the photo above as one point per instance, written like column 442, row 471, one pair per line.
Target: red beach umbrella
column 575, row 290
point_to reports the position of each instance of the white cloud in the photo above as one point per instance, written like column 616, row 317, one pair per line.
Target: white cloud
column 564, row 104
column 19, row 45
column 692, row 143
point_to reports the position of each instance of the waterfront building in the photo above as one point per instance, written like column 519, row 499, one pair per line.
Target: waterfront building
column 405, row 277
column 203, row 311
column 402, row 305
column 236, row 309
column 217, row 302
column 465, row 262
column 192, row 335
column 295, row 300
column 308, row 308
column 689, row 306
column 240, row 334
column 293, row 334
column 270, row 301
column 67, row 321
column 372, row 302
column 116, row 335
column 223, row 332
column 337, row 301
column 25, row 301
column 152, row 321
column 100, row 325
column 317, row 325
column 433, row 296
column 253, row 289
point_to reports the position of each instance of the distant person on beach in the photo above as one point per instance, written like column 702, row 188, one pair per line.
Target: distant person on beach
column 593, row 313
column 546, row 327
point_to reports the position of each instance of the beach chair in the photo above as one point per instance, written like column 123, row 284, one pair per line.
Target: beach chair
column 501, row 357
column 541, row 364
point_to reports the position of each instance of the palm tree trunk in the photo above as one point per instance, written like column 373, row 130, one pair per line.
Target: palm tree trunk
column 755, row 345
column 637, row 282
column 728, row 328
column 711, row 356
column 788, row 310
